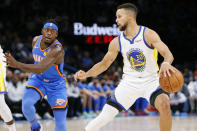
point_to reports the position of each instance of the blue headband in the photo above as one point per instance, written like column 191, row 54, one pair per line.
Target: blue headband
column 50, row 25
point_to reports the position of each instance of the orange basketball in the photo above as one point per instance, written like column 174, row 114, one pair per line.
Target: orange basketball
column 173, row 83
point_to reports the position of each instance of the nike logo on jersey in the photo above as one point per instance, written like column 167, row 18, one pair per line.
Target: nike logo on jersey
column 138, row 40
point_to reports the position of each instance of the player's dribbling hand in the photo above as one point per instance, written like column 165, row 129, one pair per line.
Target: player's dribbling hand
column 80, row 75
column 11, row 61
column 165, row 69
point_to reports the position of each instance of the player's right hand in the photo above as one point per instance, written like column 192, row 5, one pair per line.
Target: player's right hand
column 80, row 75
column 165, row 69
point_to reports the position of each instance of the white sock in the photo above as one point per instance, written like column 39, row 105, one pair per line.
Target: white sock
column 5, row 113
column 11, row 127
column 107, row 115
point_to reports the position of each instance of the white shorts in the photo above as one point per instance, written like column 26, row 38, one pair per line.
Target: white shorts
column 130, row 89
column 2, row 74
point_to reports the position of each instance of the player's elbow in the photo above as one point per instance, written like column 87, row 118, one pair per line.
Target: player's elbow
column 172, row 58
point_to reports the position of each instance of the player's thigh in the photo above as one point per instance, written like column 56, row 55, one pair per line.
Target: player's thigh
column 124, row 96
column 127, row 97
column 2, row 77
column 57, row 99
column 36, row 85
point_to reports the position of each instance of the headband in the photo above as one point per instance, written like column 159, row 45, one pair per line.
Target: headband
column 50, row 25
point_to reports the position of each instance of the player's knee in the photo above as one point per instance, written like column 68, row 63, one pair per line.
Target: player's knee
column 105, row 118
column 165, row 107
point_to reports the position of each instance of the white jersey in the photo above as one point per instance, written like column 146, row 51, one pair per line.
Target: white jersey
column 140, row 60
column 2, row 72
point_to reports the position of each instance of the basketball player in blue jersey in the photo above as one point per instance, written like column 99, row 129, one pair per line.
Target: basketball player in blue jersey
column 46, row 77
column 138, row 46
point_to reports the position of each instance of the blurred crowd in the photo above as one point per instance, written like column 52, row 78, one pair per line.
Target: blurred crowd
column 23, row 20
column 86, row 98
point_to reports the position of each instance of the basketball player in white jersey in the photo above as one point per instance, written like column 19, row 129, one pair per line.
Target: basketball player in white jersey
column 138, row 46
column 5, row 112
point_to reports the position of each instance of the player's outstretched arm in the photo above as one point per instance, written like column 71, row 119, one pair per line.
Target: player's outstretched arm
column 103, row 65
column 52, row 57
column 154, row 41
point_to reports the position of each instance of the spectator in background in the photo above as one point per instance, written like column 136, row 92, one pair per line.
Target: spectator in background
column 193, row 93
column 74, row 100
column 108, row 88
column 177, row 101
column 87, row 61
column 188, row 75
column 185, row 91
column 96, row 90
column 86, row 95
column 16, row 86
column 106, row 91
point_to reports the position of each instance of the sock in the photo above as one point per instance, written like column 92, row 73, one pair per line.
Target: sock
column 11, row 127
column 107, row 115
column 103, row 100
column 83, row 109
column 89, row 109
column 96, row 105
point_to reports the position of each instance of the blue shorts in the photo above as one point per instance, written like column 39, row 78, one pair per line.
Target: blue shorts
column 55, row 91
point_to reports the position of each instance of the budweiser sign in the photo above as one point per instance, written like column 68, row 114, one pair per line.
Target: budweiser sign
column 80, row 29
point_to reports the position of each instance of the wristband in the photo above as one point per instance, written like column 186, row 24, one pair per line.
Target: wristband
column 166, row 63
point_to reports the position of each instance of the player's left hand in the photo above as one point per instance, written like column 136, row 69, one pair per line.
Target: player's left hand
column 11, row 61
column 165, row 69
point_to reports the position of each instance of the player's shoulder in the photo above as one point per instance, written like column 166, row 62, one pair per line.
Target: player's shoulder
column 150, row 34
column 58, row 43
column 57, row 46
column 114, row 44
column 149, row 31
column 36, row 38
column 114, row 40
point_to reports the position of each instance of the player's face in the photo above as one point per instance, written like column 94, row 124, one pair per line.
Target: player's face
column 49, row 35
column 121, row 19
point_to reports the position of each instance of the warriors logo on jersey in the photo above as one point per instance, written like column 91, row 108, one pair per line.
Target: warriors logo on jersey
column 137, row 59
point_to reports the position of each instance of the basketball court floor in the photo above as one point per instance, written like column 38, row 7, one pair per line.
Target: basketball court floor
column 133, row 123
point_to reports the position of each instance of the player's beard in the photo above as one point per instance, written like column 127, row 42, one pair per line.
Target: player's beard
column 123, row 28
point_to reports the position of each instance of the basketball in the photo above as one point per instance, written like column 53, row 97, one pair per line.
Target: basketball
column 171, row 83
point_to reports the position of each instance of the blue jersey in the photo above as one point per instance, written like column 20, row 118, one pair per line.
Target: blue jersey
column 53, row 73
column 51, row 82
